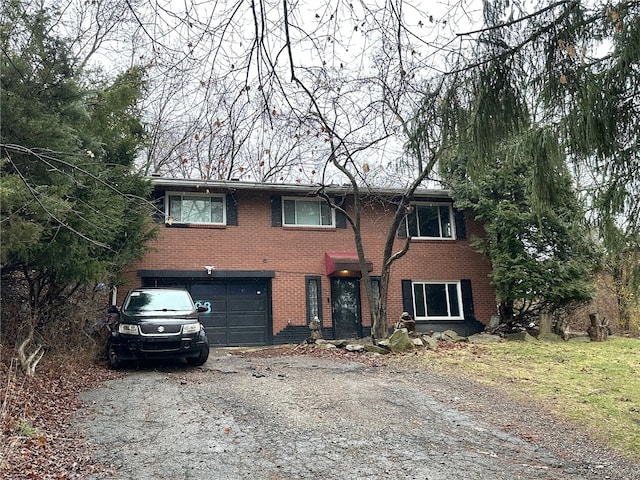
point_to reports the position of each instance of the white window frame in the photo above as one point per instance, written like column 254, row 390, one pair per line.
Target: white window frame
column 452, row 220
column 319, row 201
column 171, row 220
column 428, row 317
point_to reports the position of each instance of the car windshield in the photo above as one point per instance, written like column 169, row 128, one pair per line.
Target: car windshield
column 158, row 301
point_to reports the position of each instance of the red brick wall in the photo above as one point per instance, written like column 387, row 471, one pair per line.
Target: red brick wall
column 295, row 252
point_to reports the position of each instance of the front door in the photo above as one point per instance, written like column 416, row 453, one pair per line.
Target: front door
column 345, row 307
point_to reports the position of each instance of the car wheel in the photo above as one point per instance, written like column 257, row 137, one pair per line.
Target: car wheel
column 113, row 358
column 201, row 358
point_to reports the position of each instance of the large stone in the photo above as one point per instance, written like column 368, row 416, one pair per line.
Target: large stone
column 354, row 347
column 520, row 337
column 429, row 342
column 400, row 341
column 376, row 349
column 484, row 338
column 452, row 336
column 335, row 343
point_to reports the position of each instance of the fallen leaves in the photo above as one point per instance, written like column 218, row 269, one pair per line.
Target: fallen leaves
column 36, row 440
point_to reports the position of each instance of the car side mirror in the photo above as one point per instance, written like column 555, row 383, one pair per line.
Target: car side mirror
column 113, row 309
column 202, row 309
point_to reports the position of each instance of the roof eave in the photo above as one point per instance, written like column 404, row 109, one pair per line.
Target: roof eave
column 235, row 185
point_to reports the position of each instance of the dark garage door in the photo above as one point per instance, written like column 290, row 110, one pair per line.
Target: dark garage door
column 238, row 311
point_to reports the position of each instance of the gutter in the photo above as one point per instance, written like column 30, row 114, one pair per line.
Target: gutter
column 235, row 185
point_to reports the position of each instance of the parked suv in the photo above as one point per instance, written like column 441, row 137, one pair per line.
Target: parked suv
column 156, row 323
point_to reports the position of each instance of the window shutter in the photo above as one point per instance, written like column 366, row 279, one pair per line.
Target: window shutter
column 232, row 210
column 407, row 297
column 276, row 211
column 341, row 218
column 467, row 300
column 461, row 231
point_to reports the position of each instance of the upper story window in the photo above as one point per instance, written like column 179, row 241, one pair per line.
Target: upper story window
column 437, row 301
column 431, row 221
column 194, row 208
column 307, row 212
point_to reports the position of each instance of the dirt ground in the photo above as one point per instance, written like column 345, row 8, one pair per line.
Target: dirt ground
column 305, row 417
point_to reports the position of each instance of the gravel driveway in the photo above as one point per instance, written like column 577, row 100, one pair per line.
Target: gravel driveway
column 303, row 417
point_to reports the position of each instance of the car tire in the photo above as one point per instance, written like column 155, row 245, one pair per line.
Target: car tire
column 201, row 358
column 113, row 358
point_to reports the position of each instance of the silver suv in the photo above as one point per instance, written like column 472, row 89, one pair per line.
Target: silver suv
column 157, row 323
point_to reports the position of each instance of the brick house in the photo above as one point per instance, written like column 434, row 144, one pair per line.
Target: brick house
column 266, row 259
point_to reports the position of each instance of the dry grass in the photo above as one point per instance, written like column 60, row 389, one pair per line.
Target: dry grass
column 595, row 385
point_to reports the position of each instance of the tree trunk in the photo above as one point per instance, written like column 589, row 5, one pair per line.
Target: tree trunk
column 545, row 323
column 506, row 311
column 379, row 327
column 599, row 330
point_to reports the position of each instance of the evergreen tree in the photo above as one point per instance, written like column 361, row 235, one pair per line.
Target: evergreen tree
column 557, row 83
column 72, row 211
column 542, row 256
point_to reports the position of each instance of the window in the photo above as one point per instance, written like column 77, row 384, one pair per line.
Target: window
column 437, row 301
column 314, row 302
column 193, row 208
column 431, row 221
column 308, row 213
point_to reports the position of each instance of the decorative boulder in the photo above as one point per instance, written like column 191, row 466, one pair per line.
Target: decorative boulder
column 429, row 342
column 376, row 349
column 354, row 347
column 520, row 337
column 400, row 341
column 451, row 336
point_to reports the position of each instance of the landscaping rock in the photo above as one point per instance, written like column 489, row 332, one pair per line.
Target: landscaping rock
column 335, row 343
column 429, row 342
column 400, row 341
column 376, row 349
column 450, row 336
column 418, row 342
column 520, row 337
column 354, row 347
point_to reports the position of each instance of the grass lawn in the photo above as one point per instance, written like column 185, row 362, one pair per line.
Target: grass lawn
column 596, row 385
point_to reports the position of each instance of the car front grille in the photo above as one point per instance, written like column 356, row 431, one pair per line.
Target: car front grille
column 160, row 329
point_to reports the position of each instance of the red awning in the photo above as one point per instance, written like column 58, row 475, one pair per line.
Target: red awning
column 338, row 262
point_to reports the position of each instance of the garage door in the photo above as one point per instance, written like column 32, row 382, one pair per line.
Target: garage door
column 238, row 311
